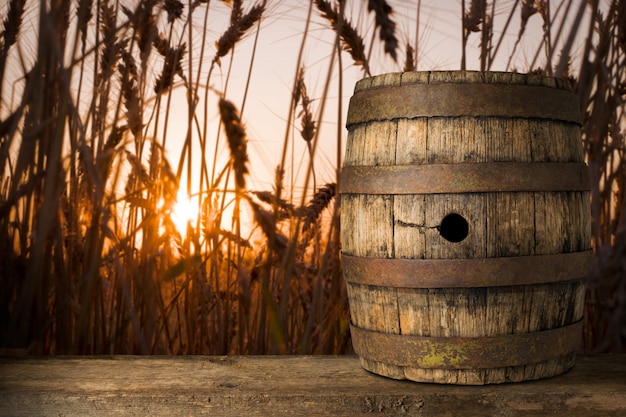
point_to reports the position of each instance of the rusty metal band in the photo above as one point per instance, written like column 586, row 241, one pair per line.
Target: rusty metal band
column 457, row 100
column 464, row 178
column 466, row 273
column 466, row 352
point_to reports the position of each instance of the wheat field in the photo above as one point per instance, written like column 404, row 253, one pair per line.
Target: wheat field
column 93, row 256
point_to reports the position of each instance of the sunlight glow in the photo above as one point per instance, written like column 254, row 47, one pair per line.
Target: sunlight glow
column 185, row 211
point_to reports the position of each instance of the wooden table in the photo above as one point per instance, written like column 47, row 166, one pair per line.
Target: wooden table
column 288, row 386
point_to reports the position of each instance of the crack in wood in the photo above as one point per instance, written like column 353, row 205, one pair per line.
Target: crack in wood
column 414, row 225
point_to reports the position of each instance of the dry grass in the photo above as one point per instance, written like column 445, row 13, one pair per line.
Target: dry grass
column 90, row 259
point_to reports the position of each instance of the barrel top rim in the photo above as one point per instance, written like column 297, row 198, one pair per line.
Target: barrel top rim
column 460, row 77
column 388, row 98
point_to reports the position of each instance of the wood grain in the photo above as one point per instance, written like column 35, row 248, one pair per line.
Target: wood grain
column 288, row 386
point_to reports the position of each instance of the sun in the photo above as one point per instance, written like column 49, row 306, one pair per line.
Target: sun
column 184, row 212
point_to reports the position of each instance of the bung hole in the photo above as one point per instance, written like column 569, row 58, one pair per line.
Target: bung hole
column 453, row 228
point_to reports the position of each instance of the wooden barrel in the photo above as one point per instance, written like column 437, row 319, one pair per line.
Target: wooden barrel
column 465, row 226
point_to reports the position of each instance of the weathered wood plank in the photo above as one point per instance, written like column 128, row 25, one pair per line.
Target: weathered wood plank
column 288, row 386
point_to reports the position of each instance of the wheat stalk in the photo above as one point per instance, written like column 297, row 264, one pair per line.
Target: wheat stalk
column 174, row 9
column 386, row 25
column 307, row 122
column 350, row 38
column 238, row 27
column 172, row 66
column 316, row 206
column 8, row 37
column 409, row 60
column 236, row 135
column 130, row 93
